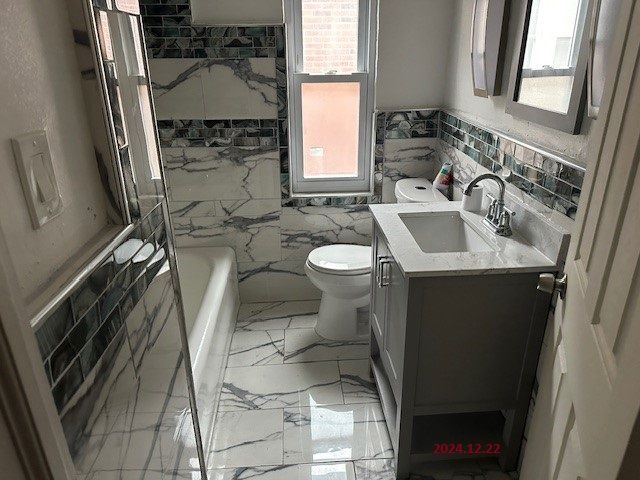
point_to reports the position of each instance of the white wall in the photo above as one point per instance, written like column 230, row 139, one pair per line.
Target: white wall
column 491, row 111
column 41, row 90
column 236, row 12
column 413, row 45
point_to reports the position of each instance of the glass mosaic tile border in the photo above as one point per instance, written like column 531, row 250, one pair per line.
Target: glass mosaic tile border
column 170, row 34
column 218, row 133
column 77, row 333
column 551, row 182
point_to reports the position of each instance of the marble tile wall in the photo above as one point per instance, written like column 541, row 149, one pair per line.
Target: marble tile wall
column 112, row 353
column 221, row 103
column 73, row 337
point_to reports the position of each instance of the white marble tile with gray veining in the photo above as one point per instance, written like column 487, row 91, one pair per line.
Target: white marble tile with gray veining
column 214, row 88
column 334, row 433
column 250, row 348
column 277, row 386
column 358, row 385
column 246, row 439
column 244, row 88
column 275, row 281
column 222, row 173
column 177, row 88
column 324, row 471
column 195, row 208
column 252, row 238
column 407, row 158
column 277, row 315
column 305, row 345
column 303, row 231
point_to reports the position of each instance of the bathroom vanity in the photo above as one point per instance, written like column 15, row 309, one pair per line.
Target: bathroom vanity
column 457, row 321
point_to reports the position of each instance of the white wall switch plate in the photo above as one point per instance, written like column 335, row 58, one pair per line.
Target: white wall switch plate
column 37, row 176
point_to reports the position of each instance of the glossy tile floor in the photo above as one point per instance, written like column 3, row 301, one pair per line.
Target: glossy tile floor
column 295, row 406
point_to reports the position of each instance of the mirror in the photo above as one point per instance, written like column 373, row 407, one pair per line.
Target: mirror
column 117, row 92
column 548, row 84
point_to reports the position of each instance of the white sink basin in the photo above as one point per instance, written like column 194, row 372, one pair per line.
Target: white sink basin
column 438, row 232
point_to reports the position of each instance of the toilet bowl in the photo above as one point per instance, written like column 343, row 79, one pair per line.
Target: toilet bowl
column 343, row 274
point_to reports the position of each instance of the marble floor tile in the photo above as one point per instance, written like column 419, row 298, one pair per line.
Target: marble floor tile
column 357, row 381
column 277, row 386
column 277, row 315
column 126, row 475
column 334, row 433
column 381, row 469
column 246, row 439
column 468, row 469
column 305, row 345
column 249, row 348
column 325, row 471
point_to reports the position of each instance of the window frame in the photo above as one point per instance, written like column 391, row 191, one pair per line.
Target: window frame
column 365, row 76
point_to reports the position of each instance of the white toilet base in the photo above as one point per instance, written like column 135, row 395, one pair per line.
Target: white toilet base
column 337, row 318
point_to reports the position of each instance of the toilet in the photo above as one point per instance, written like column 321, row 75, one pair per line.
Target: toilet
column 343, row 272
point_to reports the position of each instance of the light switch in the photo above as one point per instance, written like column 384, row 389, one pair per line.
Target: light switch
column 37, row 176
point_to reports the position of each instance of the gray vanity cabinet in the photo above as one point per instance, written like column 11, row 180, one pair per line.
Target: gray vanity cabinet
column 454, row 359
column 388, row 320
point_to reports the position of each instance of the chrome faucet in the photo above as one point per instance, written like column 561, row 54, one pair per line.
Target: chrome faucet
column 498, row 217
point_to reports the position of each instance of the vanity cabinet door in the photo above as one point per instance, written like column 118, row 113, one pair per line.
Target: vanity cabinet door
column 395, row 324
column 378, row 290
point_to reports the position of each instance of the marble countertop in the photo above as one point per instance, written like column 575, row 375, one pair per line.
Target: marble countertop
column 509, row 255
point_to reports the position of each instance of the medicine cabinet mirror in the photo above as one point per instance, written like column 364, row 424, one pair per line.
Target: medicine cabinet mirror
column 487, row 46
column 548, row 77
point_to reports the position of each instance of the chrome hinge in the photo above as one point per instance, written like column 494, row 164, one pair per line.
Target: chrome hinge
column 549, row 283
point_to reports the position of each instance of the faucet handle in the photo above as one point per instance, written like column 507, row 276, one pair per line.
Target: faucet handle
column 491, row 212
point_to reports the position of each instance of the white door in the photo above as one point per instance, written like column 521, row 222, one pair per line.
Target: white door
column 590, row 380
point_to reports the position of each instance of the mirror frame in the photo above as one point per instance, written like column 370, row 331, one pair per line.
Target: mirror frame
column 571, row 121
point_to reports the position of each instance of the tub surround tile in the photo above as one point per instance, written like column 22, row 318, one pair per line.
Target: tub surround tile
column 358, row 385
column 190, row 209
column 277, row 315
column 253, row 238
column 278, row 386
column 177, row 88
column 193, row 88
column 326, row 471
column 335, row 432
column 232, row 173
column 247, row 438
column 305, row 345
column 250, row 348
column 242, row 88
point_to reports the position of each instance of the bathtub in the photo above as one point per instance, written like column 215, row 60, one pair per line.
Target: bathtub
column 209, row 286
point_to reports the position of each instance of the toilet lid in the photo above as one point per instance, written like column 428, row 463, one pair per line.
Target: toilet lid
column 341, row 259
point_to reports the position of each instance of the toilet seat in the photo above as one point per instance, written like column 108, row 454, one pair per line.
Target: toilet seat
column 341, row 259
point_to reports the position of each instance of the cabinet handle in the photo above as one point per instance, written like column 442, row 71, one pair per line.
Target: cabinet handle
column 382, row 277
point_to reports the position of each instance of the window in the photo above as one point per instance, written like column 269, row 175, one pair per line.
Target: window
column 331, row 47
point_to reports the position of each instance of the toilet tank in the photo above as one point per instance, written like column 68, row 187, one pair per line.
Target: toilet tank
column 417, row 190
